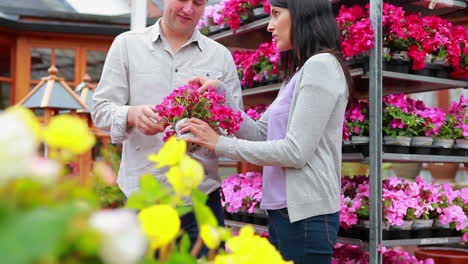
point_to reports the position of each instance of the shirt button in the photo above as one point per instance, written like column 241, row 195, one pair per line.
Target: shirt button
column 176, row 70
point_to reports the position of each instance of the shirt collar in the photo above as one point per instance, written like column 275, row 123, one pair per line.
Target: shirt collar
column 196, row 36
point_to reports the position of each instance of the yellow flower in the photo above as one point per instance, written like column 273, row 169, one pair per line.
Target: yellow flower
column 28, row 117
column 160, row 223
column 186, row 176
column 212, row 236
column 250, row 248
column 70, row 133
column 170, row 154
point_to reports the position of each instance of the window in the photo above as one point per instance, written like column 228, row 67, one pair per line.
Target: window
column 5, row 75
column 94, row 64
column 5, row 91
column 43, row 58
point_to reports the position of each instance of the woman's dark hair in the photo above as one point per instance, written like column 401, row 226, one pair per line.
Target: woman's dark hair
column 313, row 30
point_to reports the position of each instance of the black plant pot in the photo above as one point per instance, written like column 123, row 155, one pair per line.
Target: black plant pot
column 421, row 233
column 363, row 148
column 400, row 234
column 353, row 232
column 442, row 232
column 421, row 150
column 227, row 216
column 424, row 72
column 350, row 148
column 397, row 66
column 236, row 217
column 396, row 149
column 443, row 151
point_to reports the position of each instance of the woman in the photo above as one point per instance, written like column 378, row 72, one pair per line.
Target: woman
column 298, row 139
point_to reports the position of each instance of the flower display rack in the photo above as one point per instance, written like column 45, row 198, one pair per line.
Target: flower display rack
column 373, row 83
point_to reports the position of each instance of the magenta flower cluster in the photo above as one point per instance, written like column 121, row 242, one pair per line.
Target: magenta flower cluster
column 258, row 65
column 187, row 102
column 356, row 121
column 257, row 111
column 459, row 110
column 242, row 192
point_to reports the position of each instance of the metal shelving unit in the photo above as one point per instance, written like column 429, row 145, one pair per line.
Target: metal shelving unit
column 380, row 83
column 393, row 82
column 401, row 242
column 403, row 158
column 245, row 28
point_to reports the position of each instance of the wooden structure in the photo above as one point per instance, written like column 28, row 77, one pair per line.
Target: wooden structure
column 52, row 95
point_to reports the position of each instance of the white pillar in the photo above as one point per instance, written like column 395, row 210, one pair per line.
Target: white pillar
column 138, row 15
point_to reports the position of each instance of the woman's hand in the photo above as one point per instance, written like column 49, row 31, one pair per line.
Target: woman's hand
column 203, row 82
column 205, row 136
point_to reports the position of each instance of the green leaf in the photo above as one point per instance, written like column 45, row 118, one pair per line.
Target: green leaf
column 136, row 201
column 150, row 193
column 182, row 210
column 33, row 234
column 178, row 258
column 199, row 196
column 203, row 213
column 184, row 243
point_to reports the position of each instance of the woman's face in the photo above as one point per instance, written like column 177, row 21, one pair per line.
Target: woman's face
column 280, row 27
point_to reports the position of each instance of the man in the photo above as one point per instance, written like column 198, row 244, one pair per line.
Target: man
column 141, row 68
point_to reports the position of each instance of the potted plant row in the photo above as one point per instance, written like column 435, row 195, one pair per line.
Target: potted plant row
column 258, row 67
column 231, row 14
column 409, row 126
column 410, row 209
column 428, row 45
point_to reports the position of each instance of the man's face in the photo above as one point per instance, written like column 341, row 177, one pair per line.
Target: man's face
column 182, row 15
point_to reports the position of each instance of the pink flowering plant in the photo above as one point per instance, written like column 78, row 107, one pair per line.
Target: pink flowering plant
column 458, row 55
column 398, row 119
column 257, row 111
column 242, row 192
column 256, row 66
column 459, row 111
column 187, row 102
column 357, row 118
column 357, row 35
column 212, row 16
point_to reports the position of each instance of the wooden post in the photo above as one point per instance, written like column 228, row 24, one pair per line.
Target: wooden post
column 85, row 164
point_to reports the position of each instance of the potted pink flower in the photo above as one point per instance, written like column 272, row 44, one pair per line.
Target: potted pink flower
column 446, row 135
column 357, row 122
column 255, row 67
column 357, row 35
column 398, row 120
column 187, row 102
column 257, row 111
column 460, row 112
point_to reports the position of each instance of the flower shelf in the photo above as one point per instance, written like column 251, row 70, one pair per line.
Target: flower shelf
column 362, row 234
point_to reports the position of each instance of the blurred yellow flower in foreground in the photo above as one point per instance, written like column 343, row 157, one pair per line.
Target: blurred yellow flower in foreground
column 170, row 154
column 186, row 176
column 160, row 223
column 212, row 236
column 70, row 133
column 250, row 248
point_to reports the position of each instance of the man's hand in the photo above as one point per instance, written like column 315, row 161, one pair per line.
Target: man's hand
column 203, row 82
column 144, row 119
